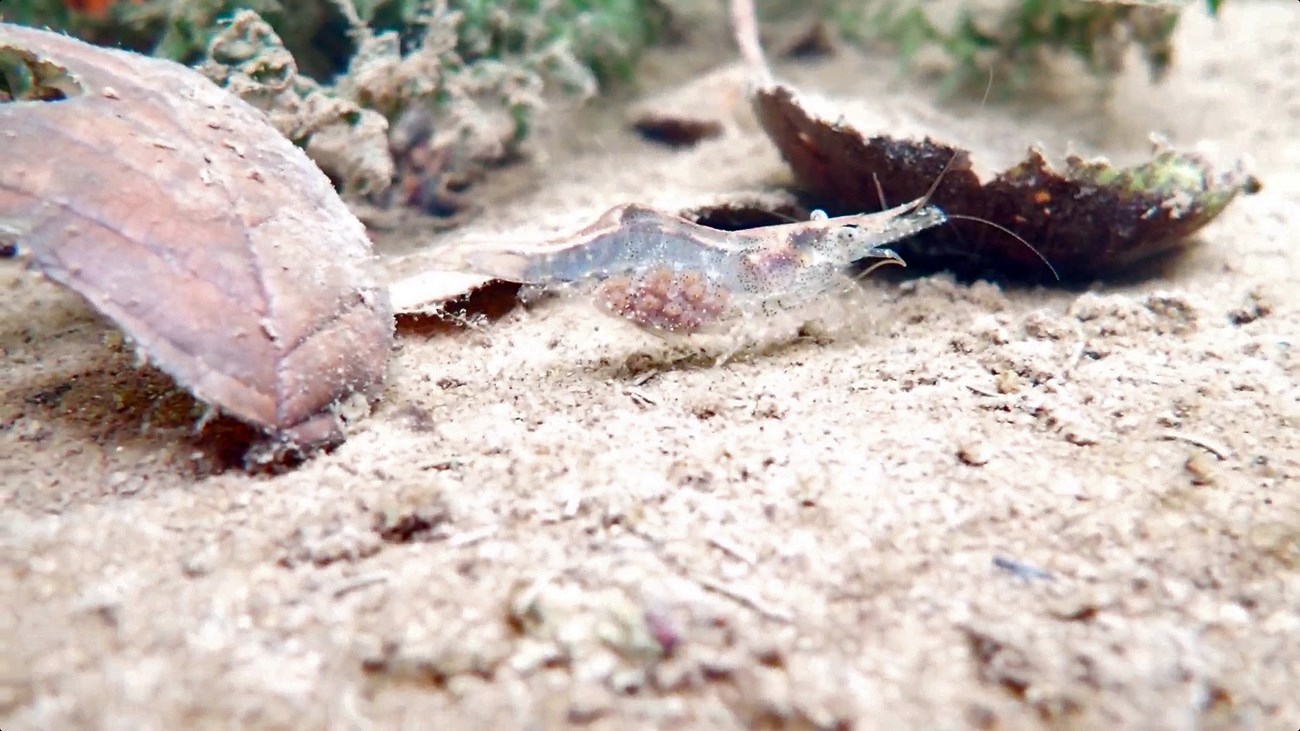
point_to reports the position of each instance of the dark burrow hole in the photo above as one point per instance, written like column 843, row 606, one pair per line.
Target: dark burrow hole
column 26, row 77
column 675, row 131
column 740, row 216
column 967, row 250
column 947, row 248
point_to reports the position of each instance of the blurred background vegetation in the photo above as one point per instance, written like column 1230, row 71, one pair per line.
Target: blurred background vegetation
column 1017, row 40
column 461, row 62
column 604, row 35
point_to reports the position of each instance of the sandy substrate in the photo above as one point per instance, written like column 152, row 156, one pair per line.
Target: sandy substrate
column 934, row 504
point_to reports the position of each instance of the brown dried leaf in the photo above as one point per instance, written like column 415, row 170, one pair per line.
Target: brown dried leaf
column 428, row 291
column 176, row 210
column 1089, row 219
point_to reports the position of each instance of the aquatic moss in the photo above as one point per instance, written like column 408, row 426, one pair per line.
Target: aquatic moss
column 1012, row 39
column 603, row 37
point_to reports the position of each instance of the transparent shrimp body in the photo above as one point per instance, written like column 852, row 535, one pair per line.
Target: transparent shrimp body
column 812, row 259
column 670, row 275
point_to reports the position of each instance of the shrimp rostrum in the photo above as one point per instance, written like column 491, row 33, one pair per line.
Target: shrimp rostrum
column 667, row 274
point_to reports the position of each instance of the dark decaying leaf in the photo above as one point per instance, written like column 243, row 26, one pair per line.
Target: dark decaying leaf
column 676, row 130
column 1088, row 220
column 688, row 115
column 214, row 243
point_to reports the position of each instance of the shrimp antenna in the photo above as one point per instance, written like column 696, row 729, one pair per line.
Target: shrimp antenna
column 744, row 21
column 880, row 191
column 1013, row 234
column 894, row 260
column 934, row 187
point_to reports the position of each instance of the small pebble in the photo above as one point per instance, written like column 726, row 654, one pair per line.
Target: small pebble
column 1200, row 466
column 1009, row 382
column 973, row 453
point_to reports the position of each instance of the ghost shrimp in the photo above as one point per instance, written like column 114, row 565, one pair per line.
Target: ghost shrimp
column 670, row 275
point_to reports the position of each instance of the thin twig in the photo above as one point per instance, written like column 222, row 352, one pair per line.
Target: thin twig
column 471, row 537
column 745, row 599
column 640, row 398
column 744, row 22
column 1076, row 355
column 1022, row 570
column 1218, row 449
column 645, row 377
column 735, row 594
column 736, row 551
column 358, row 582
